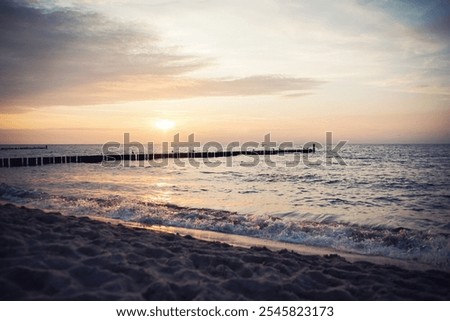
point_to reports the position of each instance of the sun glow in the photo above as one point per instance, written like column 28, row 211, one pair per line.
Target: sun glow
column 164, row 124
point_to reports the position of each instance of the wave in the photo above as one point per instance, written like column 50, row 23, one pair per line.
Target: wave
column 12, row 193
column 323, row 231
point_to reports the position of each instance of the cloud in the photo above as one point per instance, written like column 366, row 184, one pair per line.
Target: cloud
column 62, row 56
column 150, row 87
column 403, row 43
column 427, row 16
column 441, row 27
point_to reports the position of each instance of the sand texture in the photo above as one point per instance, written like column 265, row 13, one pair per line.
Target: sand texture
column 48, row 256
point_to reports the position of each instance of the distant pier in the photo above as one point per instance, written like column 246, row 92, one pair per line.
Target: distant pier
column 23, row 147
column 93, row 159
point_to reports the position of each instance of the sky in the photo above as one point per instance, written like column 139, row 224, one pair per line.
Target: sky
column 89, row 71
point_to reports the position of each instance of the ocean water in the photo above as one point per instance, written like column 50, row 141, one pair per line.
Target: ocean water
column 387, row 200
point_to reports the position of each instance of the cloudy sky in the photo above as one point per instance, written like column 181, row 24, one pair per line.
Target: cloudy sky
column 88, row 71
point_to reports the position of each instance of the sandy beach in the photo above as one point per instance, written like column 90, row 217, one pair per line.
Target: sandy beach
column 48, row 256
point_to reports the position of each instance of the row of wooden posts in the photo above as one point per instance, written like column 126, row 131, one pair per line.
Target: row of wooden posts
column 47, row 160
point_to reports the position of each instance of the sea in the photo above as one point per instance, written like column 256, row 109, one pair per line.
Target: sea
column 390, row 201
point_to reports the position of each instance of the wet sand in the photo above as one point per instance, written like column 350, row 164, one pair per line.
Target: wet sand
column 48, row 256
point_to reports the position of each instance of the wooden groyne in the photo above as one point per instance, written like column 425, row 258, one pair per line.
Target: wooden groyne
column 23, row 147
column 93, row 159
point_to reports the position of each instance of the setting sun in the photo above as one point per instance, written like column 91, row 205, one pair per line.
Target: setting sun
column 164, row 124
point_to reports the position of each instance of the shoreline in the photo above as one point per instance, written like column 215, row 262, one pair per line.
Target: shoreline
column 48, row 256
column 250, row 241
